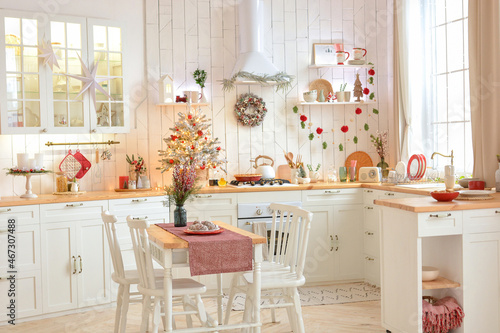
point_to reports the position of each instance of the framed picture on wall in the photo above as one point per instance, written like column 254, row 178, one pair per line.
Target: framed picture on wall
column 324, row 54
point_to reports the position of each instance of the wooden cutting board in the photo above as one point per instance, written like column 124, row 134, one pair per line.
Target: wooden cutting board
column 364, row 160
column 284, row 172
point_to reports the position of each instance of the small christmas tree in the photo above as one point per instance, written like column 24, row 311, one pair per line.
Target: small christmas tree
column 191, row 143
column 358, row 89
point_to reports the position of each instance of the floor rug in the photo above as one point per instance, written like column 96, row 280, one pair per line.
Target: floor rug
column 322, row 295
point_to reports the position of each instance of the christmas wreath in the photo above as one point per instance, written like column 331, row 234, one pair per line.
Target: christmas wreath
column 257, row 110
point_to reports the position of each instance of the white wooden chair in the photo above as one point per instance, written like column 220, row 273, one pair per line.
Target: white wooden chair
column 182, row 289
column 124, row 278
column 283, row 273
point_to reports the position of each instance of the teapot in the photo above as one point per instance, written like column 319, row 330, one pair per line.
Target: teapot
column 266, row 170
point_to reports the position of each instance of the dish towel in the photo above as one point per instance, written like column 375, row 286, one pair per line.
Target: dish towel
column 259, row 228
column 442, row 316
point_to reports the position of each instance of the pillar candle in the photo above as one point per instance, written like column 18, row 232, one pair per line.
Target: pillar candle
column 22, row 161
column 39, row 161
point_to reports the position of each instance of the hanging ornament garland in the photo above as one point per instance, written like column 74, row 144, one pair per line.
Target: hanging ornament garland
column 250, row 110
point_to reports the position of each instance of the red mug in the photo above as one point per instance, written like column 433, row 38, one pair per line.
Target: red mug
column 476, row 185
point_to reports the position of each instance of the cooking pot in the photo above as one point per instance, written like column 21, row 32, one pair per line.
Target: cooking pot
column 266, row 170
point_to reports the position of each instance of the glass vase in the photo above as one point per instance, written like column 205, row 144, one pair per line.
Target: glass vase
column 384, row 167
column 180, row 216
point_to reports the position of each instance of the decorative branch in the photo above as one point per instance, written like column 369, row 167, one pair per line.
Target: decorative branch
column 283, row 80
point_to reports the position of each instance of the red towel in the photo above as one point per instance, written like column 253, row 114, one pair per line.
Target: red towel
column 441, row 316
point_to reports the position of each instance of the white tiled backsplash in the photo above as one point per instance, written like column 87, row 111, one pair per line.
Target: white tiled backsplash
column 184, row 35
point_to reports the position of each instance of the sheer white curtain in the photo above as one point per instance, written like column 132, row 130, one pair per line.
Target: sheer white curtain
column 416, row 86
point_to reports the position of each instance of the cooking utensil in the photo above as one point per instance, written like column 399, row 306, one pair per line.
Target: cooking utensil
column 248, row 177
column 266, row 170
column 97, row 168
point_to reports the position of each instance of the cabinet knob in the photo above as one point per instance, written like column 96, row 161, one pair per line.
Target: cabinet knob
column 248, row 223
column 5, row 210
column 497, row 211
column 201, row 196
column 332, row 192
column 94, row 131
column 139, row 200
column 140, row 218
column 440, row 215
column 369, row 233
column 75, row 205
column 74, row 264
column 44, row 130
column 369, row 259
column 368, row 191
column 81, row 265
column 389, row 194
column 368, row 207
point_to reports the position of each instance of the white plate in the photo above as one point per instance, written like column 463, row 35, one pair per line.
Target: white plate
column 401, row 168
column 475, row 193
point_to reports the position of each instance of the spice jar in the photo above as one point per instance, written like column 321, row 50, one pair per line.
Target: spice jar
column 61, row 182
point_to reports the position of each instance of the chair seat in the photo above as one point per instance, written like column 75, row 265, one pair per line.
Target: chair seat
column 180, row 287
column 277, row 279
column 132, row 276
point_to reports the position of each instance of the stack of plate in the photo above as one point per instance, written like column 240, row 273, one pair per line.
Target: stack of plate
column 475, row 195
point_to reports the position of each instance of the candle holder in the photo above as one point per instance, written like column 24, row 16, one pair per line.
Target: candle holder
column 29, row 194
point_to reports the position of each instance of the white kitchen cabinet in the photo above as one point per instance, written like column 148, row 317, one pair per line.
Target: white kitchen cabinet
column 335, row 249
column 481, row 246
column 27, row 261
column 212, row 207
column 75, row 255
column 37, row 99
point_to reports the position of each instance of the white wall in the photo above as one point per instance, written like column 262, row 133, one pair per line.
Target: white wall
column 180, row 36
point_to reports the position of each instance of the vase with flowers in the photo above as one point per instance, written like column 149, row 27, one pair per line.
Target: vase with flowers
column 381, row 145
column 136, row 167
column 182, row 187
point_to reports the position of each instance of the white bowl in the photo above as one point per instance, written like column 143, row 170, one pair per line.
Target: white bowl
column 310, row 96
column 429, row 273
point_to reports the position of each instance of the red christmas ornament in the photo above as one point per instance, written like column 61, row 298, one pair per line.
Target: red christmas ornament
column 31, row 170
column 200, row 133
column 194, row 124
column 190, row 117
column 303, row 118
column 371, row 72
column 358, row 111
column 192, row 147
column 205, row 138
column 173, row 137
column 202, row 167
column 344, row 128
column 218, row 148
column 366, row 91
column 171, row 161
column 319, row 130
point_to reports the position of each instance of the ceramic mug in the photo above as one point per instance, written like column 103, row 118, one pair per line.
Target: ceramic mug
column 359, row 53
column 476, row 185
column 192, row 96
column 341, row 57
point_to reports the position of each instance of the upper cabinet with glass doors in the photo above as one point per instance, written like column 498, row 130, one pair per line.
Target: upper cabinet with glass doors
column 64, row 98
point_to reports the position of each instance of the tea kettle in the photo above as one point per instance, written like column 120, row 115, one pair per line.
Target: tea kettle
column 266, row 170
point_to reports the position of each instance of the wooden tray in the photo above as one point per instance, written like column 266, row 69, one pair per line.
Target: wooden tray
column 132, row 190
column 364, row 160
column 321, row 84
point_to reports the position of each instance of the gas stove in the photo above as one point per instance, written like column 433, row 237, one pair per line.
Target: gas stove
column 262, row 182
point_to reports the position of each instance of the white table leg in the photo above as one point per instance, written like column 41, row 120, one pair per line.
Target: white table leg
column 220, row 295
column 257, row 285
column 167, row 289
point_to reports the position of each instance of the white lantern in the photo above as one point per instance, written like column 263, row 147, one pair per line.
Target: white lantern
column 166, row 87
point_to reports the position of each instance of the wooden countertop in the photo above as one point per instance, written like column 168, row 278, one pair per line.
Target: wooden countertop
column 428, row 204
column 107, row 195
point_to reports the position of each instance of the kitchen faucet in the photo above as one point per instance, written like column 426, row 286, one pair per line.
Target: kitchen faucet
column 434, row 153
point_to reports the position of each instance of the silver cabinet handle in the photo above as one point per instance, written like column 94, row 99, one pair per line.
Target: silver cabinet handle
column 369, row 233
column 368, row 191
column 140, row 218
column 368, row 207
column 203, row 196
column 497, row 211
column 139, row 200
column 81, row 265
column 74, row 264
column 440, row 215
column 369, row 258
column 5, row 210
column 389, row 194
column 332, row 192
column 75, row 205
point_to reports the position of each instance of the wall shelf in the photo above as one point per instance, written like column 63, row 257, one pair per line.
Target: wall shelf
column 440, row 283
column 337, row 103
column 341, row 66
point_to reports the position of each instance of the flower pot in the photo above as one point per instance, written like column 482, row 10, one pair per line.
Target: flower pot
column 180, row 216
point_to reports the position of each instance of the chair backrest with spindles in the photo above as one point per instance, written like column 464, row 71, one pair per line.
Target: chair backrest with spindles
column 142, row 251
column 289, row 236
column 114, row 246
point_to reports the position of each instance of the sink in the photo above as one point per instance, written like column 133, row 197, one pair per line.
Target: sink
column 428, row 185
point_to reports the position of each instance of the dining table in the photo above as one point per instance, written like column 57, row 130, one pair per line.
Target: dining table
column 163, row 244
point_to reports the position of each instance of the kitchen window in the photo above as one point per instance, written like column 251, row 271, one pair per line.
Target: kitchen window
column 439, row 82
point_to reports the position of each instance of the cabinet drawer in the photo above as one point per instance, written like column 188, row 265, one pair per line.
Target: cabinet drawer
column 213, row 201
column 24, row 215
column 481, row 220
column 150, row 207
column 369, row 195
column 281, row 196
column 333, row 196
column 72, row 211
column 439, row 224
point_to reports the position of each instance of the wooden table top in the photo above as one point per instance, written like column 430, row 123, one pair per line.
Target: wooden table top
column 167, row 240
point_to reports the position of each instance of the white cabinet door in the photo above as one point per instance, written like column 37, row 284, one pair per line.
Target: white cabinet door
column 481, row 282
column 348, row 230
column 227, row 216
column 320, row 248
column 59, row 266
column 93, row 264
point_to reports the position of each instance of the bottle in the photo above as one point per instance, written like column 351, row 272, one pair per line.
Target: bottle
column 497, row 178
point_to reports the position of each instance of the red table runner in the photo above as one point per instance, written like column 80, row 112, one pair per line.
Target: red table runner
column 218, row 253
